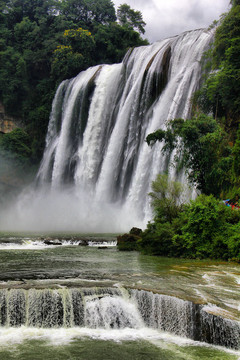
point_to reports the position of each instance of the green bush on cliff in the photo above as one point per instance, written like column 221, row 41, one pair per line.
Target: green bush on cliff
column 16, row 144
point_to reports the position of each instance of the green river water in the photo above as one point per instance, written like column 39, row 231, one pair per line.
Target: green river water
column 27, row 263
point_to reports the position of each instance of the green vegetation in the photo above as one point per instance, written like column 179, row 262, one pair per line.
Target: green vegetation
column 208, row 148
column 166, row 202
column 129, row 242
column 17, row 144
column 45, row 41
column 203, row 150
column 16, row 168
column 130, row 17
column 203, row 228
column 220, row 93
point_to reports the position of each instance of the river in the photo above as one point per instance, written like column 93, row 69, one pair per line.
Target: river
column 117, row 290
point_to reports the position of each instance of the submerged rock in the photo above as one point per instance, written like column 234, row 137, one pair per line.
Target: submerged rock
column 52, row 242
column 83, row 242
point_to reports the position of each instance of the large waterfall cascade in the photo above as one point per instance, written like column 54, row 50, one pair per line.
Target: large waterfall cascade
column 113, row 308
column 100, row 119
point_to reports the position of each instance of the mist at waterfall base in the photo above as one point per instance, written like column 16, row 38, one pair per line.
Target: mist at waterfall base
column 52, row 210
column 97, row 169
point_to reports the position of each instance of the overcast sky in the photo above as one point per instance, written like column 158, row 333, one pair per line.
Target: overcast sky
column 166, row 18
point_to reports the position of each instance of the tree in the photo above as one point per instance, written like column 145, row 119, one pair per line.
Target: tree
column 16, row 142
column 113, row 40
column 236, row 159
column 34, row 10
column 88, row 12
column 130, row 17
column 74, row 56
column 13, row 82
column 207, row 226
column 220, row 92
column 65, row 63
column 203, row 150
column 166, row 198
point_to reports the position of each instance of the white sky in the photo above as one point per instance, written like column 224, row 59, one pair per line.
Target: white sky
column 166, row 18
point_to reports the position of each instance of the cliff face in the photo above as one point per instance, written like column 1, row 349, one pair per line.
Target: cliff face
column 8, row 123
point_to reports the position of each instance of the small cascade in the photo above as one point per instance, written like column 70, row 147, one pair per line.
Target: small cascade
column 113, row 308
column 112, row 312
column 165, row 312
column 186, row 319
column 54, row 308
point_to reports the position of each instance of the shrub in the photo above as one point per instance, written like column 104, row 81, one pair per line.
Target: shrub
column 205, row 228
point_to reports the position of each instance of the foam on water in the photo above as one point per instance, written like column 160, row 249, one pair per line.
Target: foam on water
column 25, row 245
column 28, row 244
column 63, row 336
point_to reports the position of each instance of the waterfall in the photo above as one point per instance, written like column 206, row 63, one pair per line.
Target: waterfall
column 113, row 308
column 100, row 119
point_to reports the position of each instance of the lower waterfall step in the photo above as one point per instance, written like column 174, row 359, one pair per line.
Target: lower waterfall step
column 113, row 308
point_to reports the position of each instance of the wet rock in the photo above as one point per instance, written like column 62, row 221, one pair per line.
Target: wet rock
column 52, row 242
column 83, row 242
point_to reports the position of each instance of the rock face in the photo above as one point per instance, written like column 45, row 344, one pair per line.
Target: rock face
column 129, row 242
column 8, row 123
